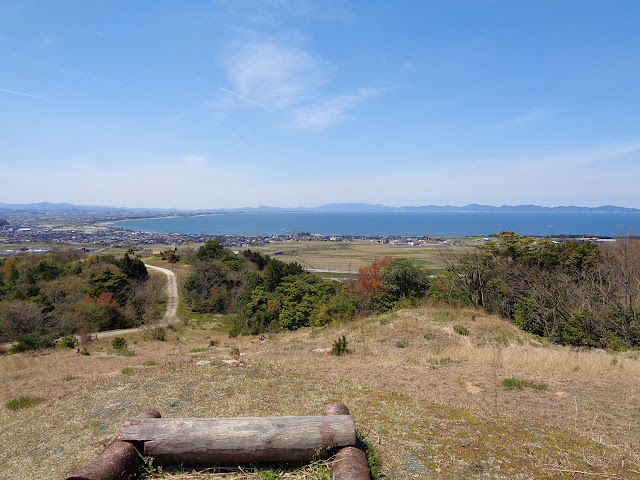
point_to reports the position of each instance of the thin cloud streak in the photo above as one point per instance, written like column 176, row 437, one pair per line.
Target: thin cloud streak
column 248, row 100
column 530, row 116
column 26, row 95
column 332, row 111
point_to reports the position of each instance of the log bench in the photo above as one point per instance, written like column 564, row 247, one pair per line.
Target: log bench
column 231, row 441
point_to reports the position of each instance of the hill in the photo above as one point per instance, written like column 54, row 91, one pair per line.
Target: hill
column 330, row 207
column 427, row 396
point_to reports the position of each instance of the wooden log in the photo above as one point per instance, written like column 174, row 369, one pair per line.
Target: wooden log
column 350, row 463
column 335, row 408
column 119, row 461
column 235, row 441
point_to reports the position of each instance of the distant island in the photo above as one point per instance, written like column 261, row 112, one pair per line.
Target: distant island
column 331, row 207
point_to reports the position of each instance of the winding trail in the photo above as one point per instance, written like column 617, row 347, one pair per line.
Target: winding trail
column 170, row 316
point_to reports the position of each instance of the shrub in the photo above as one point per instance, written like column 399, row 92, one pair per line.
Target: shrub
column 159, row 334
column 85, row 351
column 23, row 402
column 461, row 329
column 340, row 347
column 68, row 341
column 402, row 343
column 235, row 353
column 118, row 343
column 429, row 336
column 31, row 342
column 69, row 377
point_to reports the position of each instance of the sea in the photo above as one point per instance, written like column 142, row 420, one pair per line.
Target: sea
column 446, row 224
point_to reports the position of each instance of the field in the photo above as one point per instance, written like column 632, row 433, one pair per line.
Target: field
column 432, row 402
column 351, row 256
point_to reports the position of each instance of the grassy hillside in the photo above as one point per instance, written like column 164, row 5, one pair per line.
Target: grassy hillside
column 430, row 400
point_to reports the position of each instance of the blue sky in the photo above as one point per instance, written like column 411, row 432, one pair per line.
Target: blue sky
column 230, row 103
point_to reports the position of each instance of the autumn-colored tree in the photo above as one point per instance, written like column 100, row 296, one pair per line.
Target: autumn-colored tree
column 105, row 299
column 369, row 279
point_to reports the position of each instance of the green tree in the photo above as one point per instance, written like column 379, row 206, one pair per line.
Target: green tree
column 402, row 279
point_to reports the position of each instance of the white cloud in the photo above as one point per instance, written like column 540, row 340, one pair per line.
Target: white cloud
column 332, row 111
column 274, row 75
column 287, row 81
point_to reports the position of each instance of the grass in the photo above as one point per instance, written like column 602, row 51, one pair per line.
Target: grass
column 125, row 352
column 461, row 329
column 518, row 383
column 69, row 377
column 435, row 410
column 420, row 262
column 402, row 343
column 342, row 256
column 23, row 402
column 128, row 370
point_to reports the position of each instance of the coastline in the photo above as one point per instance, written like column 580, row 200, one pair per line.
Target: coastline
column 385, row 224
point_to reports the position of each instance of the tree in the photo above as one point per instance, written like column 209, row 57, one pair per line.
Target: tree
column 172, row 257
column 134, row 269
column 471, row 273
column 211, row 249
column 402, row 279
column 369, row 279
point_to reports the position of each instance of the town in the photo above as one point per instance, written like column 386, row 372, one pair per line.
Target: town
column 92, row 231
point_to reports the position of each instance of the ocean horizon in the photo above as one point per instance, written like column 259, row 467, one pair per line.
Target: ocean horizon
column 449, row 224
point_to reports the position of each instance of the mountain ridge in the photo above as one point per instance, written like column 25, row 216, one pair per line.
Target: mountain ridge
column 330, row 207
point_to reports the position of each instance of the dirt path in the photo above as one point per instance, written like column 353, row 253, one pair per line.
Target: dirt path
column 169, row 317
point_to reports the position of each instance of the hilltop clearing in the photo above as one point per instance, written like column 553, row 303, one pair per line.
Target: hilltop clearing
column 437, row 394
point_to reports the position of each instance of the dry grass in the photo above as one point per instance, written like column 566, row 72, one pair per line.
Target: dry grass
column 434, row 409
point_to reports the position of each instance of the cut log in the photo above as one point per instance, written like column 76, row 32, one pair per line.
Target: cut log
column 119, row 461
column 351, row 463
column 335, row 408
column 235, row 441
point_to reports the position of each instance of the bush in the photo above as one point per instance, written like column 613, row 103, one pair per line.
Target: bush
column 402, row 343
column 68, row 341
column 118, row 343
column 461, row 329
column 159, row 334
column 340, row 347
column 32, row 342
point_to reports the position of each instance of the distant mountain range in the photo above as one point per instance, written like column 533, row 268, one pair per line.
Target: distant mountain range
column 331, row 207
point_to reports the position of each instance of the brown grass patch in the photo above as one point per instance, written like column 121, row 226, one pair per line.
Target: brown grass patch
column 434, row 409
